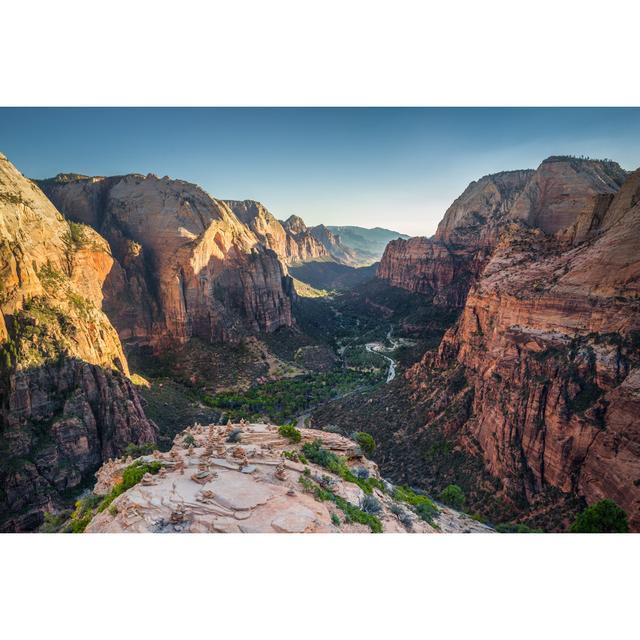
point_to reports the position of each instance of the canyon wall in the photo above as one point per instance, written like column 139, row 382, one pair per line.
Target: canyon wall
column 291, row 239
column 66, row 403
column 186, row 266
column 540, row 377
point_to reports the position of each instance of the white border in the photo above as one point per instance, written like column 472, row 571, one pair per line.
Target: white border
column 495, row 52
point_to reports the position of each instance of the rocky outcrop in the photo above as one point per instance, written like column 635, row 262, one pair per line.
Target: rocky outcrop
column 186, row 265
column 443, row 267
column 334, row 246
column 291, row 239
column 66, row 403
column 540, row 377
column 565, row 196
column 564, row 190
column 260, row 483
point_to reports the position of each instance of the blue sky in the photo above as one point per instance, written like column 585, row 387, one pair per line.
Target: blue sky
column 396, row 168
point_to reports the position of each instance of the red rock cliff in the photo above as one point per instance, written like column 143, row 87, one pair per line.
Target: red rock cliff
column 547, row 356
column 187, row 266
column 66, row 404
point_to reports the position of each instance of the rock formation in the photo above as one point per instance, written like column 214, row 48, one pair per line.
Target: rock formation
column 263, row 485
column 558, row 197
column 291, row 239
column 334, row 246
column 186, row 265
column 66, row 403
column 540, row 377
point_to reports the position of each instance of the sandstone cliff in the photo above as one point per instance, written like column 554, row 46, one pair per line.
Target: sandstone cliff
column 540, row 377
column 66, row 403
column 564, row 196
column 186, row 265
column 262, row 483
column 291, row 240
column 443, row 267
column 334, row 246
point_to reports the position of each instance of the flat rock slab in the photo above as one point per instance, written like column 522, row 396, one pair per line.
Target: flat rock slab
column 241, row 492
column 296, row 519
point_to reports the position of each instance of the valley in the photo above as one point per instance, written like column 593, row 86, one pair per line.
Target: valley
column 499, row 357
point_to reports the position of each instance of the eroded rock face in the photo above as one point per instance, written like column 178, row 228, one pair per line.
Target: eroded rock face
column 332, row 243
column 251, row 486
column 547, row 356
column 291, row 240
column 66, row 403
column 186, row 265
column 443, row 267
column 567, row 197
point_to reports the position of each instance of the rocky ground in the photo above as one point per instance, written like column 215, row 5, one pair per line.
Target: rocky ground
column 261, row 482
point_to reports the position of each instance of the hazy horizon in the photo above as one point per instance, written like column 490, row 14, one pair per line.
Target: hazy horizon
column 393, row 168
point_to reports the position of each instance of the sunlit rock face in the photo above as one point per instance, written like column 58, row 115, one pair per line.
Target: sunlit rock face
column 66, row 403
column 186, row 265
column 260, row 483
column 547, row 348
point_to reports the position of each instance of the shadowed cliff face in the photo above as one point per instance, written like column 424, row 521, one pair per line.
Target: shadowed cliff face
column 546, row 354
column 66, row 404
column 186, row 265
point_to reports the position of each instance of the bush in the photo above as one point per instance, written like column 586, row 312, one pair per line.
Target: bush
column 366, row 442
column 130, row 477
column 188, row 441
column 453, row 497
column 422, row 505
column 351, row 512
column 137, row 450
column 370, row 504
column 316, row 453
column 602, row 517
column 335, row 520
column 290, row 432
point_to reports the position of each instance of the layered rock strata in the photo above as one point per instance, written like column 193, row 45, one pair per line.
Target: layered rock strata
column 66, row 403
column 186, row 265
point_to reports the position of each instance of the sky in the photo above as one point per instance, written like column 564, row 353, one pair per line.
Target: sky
column 389, row 167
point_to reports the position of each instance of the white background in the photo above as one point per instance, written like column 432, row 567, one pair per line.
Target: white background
column 319, row 53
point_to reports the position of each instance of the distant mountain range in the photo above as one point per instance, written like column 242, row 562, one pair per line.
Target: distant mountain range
column 367, row 244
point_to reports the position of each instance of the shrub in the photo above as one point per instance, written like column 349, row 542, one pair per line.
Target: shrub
column 422, row 505
column 370, row 504
column 235, row 435
column 453, row 497
column 366, row 442
column 130, row 477
column 137, row 450
column 602, row 517
column 335, row 520
column 362, row 473
column 351, row 512
column 290, row 432
column 188, row 441
column 83, row 513
column 316, row 453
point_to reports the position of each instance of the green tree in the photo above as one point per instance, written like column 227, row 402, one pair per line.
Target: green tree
column 453, row 496
column 366, row 442
column 601, row 517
